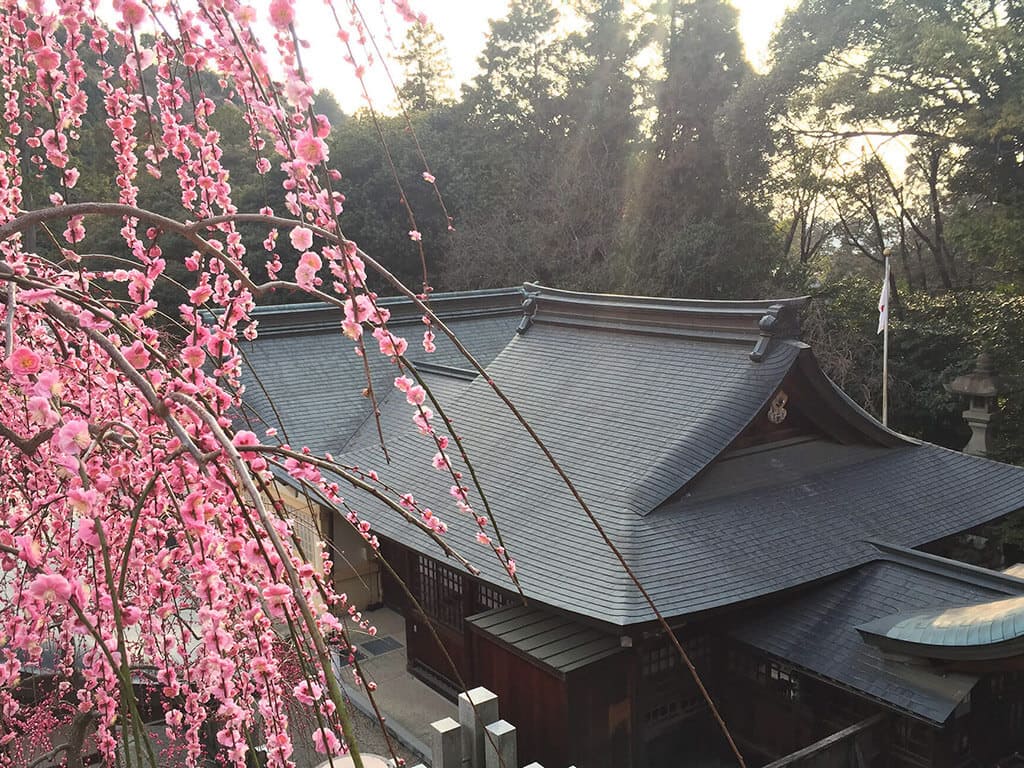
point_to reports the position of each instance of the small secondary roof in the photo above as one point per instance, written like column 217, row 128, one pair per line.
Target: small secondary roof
column 555, row 642
column 818, row 629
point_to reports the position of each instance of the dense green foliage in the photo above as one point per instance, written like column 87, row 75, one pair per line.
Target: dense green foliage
column 932, row 341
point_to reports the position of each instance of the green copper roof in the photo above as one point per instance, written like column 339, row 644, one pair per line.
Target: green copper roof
column 988, row 630
column 1017, row 571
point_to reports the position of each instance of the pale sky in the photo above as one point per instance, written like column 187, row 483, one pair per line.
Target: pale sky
column 464, row 24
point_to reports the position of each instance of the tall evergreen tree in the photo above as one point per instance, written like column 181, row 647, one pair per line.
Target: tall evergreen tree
column 523, row 71
column 551, row 115
column 428, row 71
column 690, row 230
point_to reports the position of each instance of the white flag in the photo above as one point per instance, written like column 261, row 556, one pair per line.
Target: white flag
column 883, row 302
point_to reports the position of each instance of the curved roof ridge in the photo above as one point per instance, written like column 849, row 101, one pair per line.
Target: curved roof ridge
column 855, row 416
column 670, row 302
column 708, row 319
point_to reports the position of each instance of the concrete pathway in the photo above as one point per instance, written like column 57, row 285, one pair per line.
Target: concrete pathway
column 408, row 705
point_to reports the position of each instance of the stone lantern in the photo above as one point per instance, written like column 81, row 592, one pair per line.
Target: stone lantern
column 980, row 387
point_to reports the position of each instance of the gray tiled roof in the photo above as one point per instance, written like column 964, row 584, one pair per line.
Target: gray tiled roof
column 635, row 406
column 817, row 631
column 754, row 543
column 553, row 640
column 303, row 364
column 631, row 418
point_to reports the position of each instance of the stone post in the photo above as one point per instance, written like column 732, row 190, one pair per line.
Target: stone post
column 500, row 747
column 980, row 388
column 478, row 708
column 446, row 743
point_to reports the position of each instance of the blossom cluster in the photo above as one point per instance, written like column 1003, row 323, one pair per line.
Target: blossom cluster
column 138, row 530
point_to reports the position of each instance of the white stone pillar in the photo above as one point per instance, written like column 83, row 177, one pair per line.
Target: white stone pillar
column 446, row 744
column 478, row 708
column 500, row 745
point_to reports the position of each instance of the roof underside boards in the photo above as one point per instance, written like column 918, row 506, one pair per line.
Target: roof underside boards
column 613, row 407
column 313, row 378
column 553, row 641
column 773, row 464
column 817, row 631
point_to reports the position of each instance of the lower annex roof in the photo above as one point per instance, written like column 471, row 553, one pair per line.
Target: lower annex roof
column 817, row 630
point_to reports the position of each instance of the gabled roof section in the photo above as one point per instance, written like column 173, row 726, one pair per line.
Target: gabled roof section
column 696, row 555
column 714, row 364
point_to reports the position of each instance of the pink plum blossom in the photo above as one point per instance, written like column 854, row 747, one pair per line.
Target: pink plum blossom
column 40, row 412
column 302, row 238
column 390, row 345
column 281, row 13
column 133, row 12
column 325, row 741
column 47, row 59
column 194, row 356
column 310, row 148
column 73, row 437
column 29, row 550
column 137, row 355
column 23, row 361
column 50, row 588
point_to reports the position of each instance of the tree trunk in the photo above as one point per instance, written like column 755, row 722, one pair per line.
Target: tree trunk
column 905, row 256
column 947, row 268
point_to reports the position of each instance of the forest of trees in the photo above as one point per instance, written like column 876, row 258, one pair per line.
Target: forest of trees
column 609, row 147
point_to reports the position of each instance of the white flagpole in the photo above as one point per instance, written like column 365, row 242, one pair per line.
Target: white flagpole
column 885, row 347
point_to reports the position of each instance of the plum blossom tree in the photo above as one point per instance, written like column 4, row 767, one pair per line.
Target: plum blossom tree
column 139, row 533
column 141, row 538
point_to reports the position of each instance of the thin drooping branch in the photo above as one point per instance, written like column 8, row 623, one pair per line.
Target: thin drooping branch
column 355, row 481
column 12, row 291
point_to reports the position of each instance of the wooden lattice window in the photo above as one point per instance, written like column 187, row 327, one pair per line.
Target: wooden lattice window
column 440, row 591
column 779, row 678
column 659, row 660
column 488, row 597
column 673, row 710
